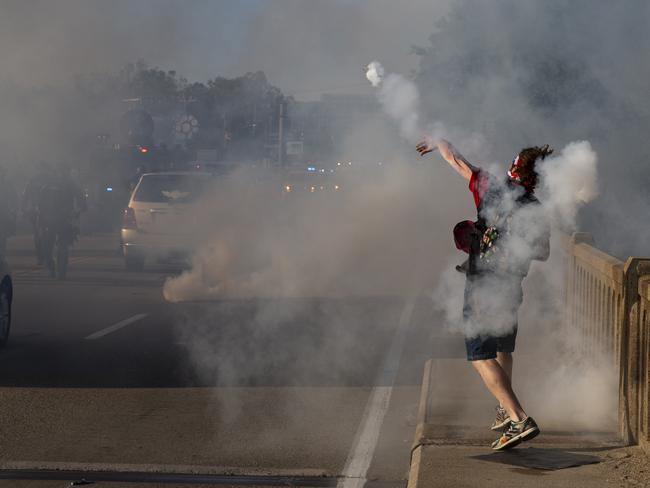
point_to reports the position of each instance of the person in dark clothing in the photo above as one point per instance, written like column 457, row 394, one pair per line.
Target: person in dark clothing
column 509, row 233
column 59, row 203
column 7, row 210
column 30, row 204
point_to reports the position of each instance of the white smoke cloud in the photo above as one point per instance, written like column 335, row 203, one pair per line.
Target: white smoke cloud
column 375, row 73
column 366, row 239
column 569, row 181
column 399, row 98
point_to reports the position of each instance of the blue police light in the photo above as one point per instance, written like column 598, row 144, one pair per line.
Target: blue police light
column 311, row 168
column 109, row 188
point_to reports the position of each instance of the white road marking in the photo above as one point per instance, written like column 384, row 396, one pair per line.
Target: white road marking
column 101, row 333
column 365, row 442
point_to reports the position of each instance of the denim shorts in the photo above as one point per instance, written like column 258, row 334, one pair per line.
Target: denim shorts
column 486, row 347
column 491, row 305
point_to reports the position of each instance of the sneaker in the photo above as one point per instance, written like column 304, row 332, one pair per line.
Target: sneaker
column 516, row 433
column 502, row 419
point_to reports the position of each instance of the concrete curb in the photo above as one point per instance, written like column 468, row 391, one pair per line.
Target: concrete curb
column 425, row 394
column 437, row 442
column 414, row 471
column 420, row 429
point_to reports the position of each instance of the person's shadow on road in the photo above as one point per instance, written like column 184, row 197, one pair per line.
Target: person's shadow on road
column 541, row 458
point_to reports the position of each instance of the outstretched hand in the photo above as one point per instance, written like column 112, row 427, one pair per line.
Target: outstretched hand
column 426, row 146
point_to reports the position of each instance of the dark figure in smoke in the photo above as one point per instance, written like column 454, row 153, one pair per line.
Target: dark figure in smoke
column 7, row 210
column 30, row 204
column 60, row 201
column 508, row 235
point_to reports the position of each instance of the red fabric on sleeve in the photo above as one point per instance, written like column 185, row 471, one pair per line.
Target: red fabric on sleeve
column 478, row 185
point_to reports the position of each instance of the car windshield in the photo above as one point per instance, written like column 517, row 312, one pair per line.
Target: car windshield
column 171, row 188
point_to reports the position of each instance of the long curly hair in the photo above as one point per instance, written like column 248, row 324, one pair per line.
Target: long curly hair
column 523, row 170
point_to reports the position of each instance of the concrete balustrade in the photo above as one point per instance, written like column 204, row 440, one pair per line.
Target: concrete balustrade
column 643, row 317
column 608, row 306
column 594, row 298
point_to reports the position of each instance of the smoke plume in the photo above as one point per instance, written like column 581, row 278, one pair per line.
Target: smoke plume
column 568, row 182
column 375, row 73
column 492, row 77
column 399, row 98
column 366, row 239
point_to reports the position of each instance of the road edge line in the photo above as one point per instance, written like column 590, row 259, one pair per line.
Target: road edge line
column 367, row 436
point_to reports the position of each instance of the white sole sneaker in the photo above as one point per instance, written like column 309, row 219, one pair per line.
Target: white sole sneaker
column 509, row 439
column 500, row 426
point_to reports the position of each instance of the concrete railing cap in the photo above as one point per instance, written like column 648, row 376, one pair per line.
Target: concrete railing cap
column 602, row 262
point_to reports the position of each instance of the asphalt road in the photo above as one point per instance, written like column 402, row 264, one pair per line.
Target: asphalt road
column 102, row 374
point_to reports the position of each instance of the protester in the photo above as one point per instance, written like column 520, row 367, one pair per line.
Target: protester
column 60, row 201
column 7, row 210
column 509, row 233
column 30, row 202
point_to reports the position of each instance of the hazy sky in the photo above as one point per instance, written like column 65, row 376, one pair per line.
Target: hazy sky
column 305, row 46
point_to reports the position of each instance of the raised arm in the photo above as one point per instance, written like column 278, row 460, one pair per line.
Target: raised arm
column 450, row 154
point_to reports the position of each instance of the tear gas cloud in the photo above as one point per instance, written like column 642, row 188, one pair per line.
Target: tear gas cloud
column 356, row 241
column 582, row 388
column 569, row 181
column 575, row 169
column 570, row 389
column 399, row 98
column 318, row 252
column 494, row 77
column 375, row 73
column 506, row 71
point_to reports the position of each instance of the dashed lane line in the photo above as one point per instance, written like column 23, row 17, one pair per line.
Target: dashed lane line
column 112, row 328
column 363, row 448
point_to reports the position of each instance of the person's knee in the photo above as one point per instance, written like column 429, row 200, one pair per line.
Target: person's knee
column 482, row 364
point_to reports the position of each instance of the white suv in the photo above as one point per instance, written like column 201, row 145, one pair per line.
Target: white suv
column 155, row 223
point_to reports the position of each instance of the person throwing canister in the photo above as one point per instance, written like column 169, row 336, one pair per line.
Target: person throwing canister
column 510, row 232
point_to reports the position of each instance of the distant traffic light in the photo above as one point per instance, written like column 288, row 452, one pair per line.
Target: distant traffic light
column 143, row 149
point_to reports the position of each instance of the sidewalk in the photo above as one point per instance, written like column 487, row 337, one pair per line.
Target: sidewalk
column 452, row 443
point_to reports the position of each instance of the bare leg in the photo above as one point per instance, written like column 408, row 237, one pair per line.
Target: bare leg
column 497, row 381
column 505, row 361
